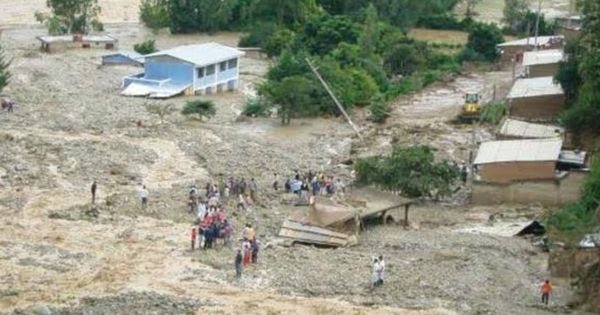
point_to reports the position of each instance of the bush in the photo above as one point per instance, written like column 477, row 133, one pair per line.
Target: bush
column 201, row 108
column 258, row 36
column 280, row 41
column 379, row 109
column 431, row 76
column 493, row 113
column 145, row 47
column 412, row 170
column 257, row 107
column 440, row 22
column 154, row 14
column 481, row 46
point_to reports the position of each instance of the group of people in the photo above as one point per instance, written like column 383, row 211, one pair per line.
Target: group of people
column 315, row 183
column 244, row 191
column 212, row 225
column 249, row 251
column 378, row 275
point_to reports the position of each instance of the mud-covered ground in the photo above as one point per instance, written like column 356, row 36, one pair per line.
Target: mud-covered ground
column 71, row 127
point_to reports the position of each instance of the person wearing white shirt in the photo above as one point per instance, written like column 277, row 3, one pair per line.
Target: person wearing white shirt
column 144, row 194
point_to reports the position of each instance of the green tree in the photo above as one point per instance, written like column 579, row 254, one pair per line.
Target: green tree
column 526, row 26
column 201, row 15
column 4, row 73
column 371, row 32
column 284, row 12
column 568, row 71
column 483, row 39
column 199, row 108
column 323, row 33
column 584, row 114
column 280, row 41
column 291, row 95
column 514, row 13
column 406, row 58
column 71, row 16
column 145, row 47
column 411, row 171
column 155, row 13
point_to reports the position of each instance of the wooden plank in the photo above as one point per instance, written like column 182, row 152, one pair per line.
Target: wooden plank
column 312, row 229
column 307, row 237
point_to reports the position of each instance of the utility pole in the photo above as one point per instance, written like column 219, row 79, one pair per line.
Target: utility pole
column 537, row 23
column 335, row 100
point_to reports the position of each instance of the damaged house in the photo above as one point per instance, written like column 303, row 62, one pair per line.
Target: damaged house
column 192, row 69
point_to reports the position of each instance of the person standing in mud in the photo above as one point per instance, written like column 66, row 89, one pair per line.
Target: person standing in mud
column 376, row 273
column 546, row 291
column 255, row 247
column 382, row 270
column 144, row 194
column 243, row 186
column 238, row 263
column 193, row 202
column 94, row 189
column 253, row 188
column 275, row 182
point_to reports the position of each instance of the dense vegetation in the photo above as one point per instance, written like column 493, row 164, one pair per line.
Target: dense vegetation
column 4, row 73
column 411, row 171
column 71, row 16
column 199, row 108
column 580, row 77
column 360, row 47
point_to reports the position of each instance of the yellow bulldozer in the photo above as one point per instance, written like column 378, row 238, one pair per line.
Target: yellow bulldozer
column 471, row 110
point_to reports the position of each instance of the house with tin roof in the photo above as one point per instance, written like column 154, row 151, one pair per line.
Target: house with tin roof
column 542, row 63
column 191, row 69
column 535, row 99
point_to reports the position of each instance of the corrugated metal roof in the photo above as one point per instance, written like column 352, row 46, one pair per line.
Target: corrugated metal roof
column 541, row 41
column 542, row 57
column 530, row 150
column 129, row 54
column 85, row 38
column 526, row 130
column 530, row 87
column 201, row 54
column 164, row 91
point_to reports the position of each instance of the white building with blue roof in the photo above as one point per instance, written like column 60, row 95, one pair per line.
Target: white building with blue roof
column 192, row 69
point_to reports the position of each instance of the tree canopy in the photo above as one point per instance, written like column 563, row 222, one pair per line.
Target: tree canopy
column 412, row 171
column 71, row 16
column 583, row 86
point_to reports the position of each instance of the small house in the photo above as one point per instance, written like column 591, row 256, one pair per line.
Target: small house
column 516, row 48
column 192, row 69
column 516, row 129
column 131, row 58
column 535, row 99
column 517, row 160
column 59, row 43
column 569, row 26
column 542, row 63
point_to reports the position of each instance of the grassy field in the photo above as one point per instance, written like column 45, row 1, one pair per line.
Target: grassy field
column 444, row 40
column 491, row 10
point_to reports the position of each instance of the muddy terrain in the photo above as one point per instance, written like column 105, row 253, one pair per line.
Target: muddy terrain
column 71, row 127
